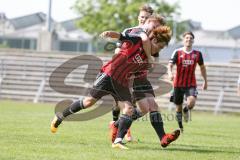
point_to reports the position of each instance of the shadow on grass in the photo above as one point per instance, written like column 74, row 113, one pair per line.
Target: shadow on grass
column 190, row 148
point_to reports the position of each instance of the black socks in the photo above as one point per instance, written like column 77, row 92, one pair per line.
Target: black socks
column 73, row 108
column 179, row 119
column 115, row 113
column 157, row 123
column 123, row 125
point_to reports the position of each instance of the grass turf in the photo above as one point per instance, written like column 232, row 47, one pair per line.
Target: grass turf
column 25, row 135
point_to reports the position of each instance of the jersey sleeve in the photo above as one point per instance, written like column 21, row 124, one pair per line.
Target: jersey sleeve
column 200, row 61
column 174, row 57
column 132, row 32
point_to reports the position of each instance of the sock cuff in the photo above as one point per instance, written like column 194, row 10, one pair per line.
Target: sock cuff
column 155, row 116
column 124, row 116
column 136, row 114
column 60, row 115
column 153, row 113
column 179, row 112
column 81, row 103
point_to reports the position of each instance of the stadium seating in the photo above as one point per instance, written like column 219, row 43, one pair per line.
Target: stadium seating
column 25, row 76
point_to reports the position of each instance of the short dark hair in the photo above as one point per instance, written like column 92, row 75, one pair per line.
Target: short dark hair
column 188, row 33
column 146, row 8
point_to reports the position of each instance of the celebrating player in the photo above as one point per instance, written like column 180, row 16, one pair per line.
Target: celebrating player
column 186, row 59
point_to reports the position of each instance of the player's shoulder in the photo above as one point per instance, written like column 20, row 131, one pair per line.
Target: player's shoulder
column 196, row 51
column 177, row 50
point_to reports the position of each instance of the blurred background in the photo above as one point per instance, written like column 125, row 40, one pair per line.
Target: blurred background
column 38, row 36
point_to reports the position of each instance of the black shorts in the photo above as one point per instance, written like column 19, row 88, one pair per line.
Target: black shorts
column 142, row 88
column 179, row 92
column 105, row 85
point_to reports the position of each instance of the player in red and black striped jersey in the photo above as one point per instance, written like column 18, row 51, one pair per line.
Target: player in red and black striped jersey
column 186, row 60
column 130, row 59
column 143, row 92
column 145, row 97
column 110, row 82
column 144, row 12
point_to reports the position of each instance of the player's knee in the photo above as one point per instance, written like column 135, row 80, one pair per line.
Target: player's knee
column 89, row 101
column 144, row 110
column 191, row 104
column 128, row 110
column 153, row 108
column 179, row 108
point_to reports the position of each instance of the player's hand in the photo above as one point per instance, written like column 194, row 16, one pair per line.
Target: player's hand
column 204, row 85
column 105, row 34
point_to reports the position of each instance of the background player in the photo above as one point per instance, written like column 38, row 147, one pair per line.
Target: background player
column 186, row 59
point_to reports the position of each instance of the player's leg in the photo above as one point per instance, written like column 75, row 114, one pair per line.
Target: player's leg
column 156, row 118
column 115, row 114
column 115, row 111
column 114, row 125
column 144, row 94
column 99, row 90
column 179, row 116
column 123, row 124
column 178, row 100
column 191, row 94
column 75, row 107
column 123, row 95
column 158, row 124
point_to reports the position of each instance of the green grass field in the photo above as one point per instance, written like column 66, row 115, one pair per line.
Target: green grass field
column 25, row 135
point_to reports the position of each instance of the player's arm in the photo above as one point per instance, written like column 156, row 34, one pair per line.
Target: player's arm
column 171, row 63
column 170, row 73
column 203, row 71
column 204, row 75
column 114, row 35
column 110, row 34
column 147, row 46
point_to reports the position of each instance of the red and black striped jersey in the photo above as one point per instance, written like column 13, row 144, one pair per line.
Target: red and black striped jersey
column 130, row 59
column 186, row 65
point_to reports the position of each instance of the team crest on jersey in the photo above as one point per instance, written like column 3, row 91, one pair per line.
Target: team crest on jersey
column 194, row 56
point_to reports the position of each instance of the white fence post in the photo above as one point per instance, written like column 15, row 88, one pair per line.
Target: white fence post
column 219, row 102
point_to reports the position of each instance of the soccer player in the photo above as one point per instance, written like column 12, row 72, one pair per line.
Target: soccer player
column 144, row 12
column 113, row 79
column 186, row 59
column 144, row 96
